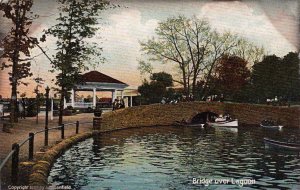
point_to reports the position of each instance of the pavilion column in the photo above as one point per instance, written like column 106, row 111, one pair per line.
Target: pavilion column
column 130, row 101
column 122, row 94
column 72, row 98
column 113, row 97
column 65, row 103
column 94, row 97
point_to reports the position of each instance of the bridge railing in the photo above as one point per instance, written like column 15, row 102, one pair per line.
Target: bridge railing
column 14, row 154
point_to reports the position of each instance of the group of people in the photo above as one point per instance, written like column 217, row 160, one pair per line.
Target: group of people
column 183, row 98
column 118, row 104
column 215, row 98
column 21, row 108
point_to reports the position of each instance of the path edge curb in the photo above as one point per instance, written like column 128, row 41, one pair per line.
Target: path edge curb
column 41, row 168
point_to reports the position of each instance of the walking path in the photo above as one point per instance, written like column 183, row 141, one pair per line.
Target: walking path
column 21, row 130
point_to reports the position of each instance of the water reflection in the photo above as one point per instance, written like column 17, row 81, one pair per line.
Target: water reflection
column 170, row 157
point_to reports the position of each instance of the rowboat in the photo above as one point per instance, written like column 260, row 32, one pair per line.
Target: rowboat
column 195, row 125
column 230, row 129
column 279, row 127
column 225, row 123
column 185, row 124
column 270, row 125
column 284, row 145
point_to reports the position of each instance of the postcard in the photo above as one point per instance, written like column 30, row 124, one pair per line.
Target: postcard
column 140, row 94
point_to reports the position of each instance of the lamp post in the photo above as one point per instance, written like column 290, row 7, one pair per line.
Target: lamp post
column 46, row 117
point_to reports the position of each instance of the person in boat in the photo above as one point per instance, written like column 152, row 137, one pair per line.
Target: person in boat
column 163, row 101
column 222, row 98
column 221, row 118
column 267, row 122
column 183, row 121
column 227, row 117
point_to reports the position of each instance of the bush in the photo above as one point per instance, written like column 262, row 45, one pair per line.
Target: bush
column 67, row 112
column 89, row 110
column 31, row 110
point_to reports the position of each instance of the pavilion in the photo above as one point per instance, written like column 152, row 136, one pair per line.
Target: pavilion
column 95, row 81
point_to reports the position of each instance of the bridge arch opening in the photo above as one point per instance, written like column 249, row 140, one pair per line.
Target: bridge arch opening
column 203, row 117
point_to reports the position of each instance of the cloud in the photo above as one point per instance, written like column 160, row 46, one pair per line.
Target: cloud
column 121, row 43
column 242, row 19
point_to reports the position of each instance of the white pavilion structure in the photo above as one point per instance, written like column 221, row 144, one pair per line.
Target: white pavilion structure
column 95, row 81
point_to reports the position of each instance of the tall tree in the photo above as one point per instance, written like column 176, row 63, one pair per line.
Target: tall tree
column 290, row 76
column 266, row 78
column 194, row 46
column 249, row 52
column 17, row 43
column 76, row 23
column 232, row 75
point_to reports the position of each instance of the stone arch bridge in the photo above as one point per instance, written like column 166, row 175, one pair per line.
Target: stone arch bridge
column 168, row 114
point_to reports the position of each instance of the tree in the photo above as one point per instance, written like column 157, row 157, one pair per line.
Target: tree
column 76, row 23
column 249, row 52
column 290, row 77
column 232, row 75
column 17, row 43
column 162, row 77
column 275, row 76
column 194, row 46
column 265, row 78
column 156, row 89
column 39, row 82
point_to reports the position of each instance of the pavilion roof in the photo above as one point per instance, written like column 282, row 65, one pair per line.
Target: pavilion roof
column 95, row 76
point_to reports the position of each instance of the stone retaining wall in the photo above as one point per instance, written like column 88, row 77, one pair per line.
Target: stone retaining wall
column 41, row 168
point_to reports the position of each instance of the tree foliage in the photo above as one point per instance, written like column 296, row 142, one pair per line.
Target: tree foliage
column 17, row 45
column 275, row 76
column 232, row 75
column 75, row 24
column 156, row 89
column 195, row 48
column 162, row 77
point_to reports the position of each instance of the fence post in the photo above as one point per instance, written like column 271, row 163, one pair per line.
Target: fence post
column 77, row 127
column 15, row 164
column 31, row 145
column 46, row 137
column 62, row 131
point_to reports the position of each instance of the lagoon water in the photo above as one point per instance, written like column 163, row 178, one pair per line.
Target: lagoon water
column 180, row 158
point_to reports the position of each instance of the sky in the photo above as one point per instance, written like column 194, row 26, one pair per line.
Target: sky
column 273, row 24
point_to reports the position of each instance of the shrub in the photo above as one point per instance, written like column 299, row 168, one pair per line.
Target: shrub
column 31, row 110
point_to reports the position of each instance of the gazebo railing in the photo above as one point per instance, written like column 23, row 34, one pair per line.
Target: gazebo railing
column 81, row 104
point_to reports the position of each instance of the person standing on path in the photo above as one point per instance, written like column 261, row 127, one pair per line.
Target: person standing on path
column 23, row 114
column 20, row 109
